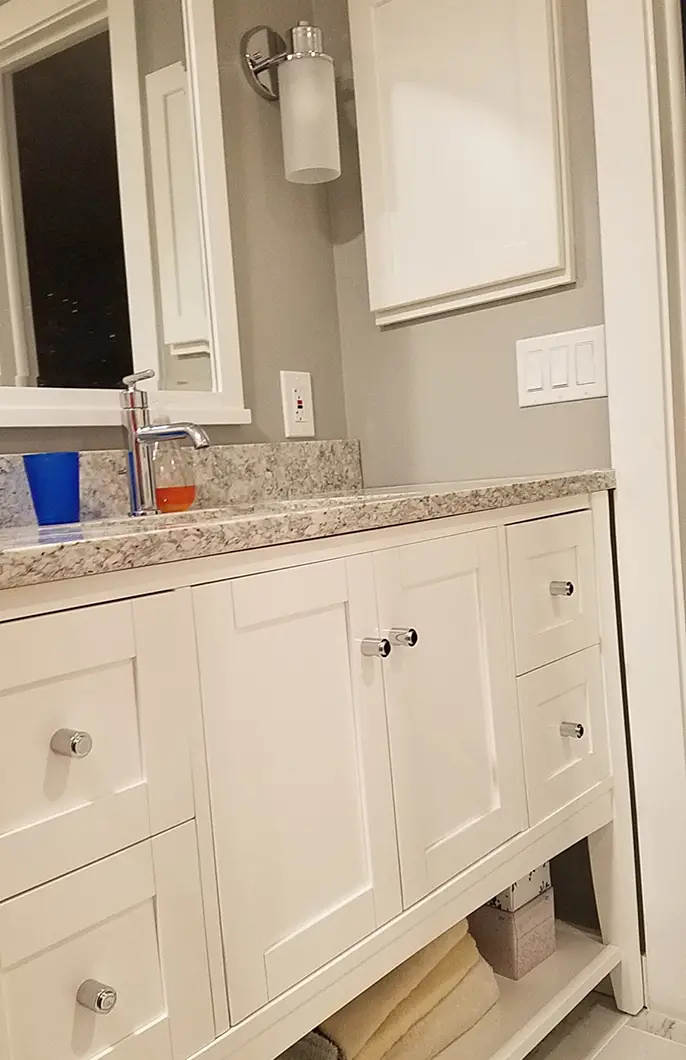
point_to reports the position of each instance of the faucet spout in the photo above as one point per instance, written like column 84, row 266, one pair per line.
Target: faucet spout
column 167, row 432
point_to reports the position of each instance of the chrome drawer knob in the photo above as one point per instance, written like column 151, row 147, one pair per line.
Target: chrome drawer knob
column 562, row 589
column 571, row 730
column 374, row 648
column 404, row 638
column 70, row 743
column 96, row 997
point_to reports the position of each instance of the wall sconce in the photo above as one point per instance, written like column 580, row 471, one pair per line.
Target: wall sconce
column 301, row 76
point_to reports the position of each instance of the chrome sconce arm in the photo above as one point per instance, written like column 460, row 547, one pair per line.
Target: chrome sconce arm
column 262, row 51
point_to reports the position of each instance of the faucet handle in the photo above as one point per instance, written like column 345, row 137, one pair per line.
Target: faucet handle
column 130, row 381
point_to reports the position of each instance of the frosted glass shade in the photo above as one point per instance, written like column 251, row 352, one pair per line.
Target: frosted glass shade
column 309, row 120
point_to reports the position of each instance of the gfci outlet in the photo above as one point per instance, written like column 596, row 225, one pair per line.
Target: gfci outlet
column 298, row 410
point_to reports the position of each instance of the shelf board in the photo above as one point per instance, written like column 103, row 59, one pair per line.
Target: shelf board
column 528, row 1010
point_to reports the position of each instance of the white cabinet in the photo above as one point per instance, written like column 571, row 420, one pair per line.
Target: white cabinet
column 347, row 787
column 122, row 674
column 463, row 151
column 299, row 771
column 373, row 761
column 297, row 724
column 452, row 707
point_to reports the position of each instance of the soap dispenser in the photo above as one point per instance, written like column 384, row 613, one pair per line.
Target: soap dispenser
column 175, row 488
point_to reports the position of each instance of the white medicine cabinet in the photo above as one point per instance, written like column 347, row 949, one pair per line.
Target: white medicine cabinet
column 463, row 149
column 114, row 215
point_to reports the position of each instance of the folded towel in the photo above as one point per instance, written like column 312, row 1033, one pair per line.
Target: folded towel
column 439, row 983
column 354, row 1025
column 453, row 1016
column 314, row 1046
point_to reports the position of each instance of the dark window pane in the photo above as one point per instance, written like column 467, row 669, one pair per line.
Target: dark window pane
column 70, row 191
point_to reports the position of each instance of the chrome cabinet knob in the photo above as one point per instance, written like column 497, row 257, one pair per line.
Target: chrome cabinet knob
column 562, row 589
column 374, row 648
column 404, row 638
column 96, row 997
column 572, row 730
column 70, row 743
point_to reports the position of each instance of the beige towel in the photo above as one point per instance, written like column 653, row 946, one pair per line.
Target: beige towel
column 439, row 983
column 354, row 1025
column 453, row 1016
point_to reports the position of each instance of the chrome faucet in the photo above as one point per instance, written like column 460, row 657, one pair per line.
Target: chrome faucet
column 141, row 434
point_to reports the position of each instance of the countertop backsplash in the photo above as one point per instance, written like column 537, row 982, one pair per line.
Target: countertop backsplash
column 225, row 475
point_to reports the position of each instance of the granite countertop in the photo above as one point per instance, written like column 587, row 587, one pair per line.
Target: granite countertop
column 32, row 556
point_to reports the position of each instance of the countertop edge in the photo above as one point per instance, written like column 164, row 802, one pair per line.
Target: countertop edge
column 41, row 562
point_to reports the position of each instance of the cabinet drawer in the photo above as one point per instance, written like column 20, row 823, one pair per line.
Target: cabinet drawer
column 552, row 580
column 97, row 924
column 117, row 674
column 133, row 922
column 564, row 730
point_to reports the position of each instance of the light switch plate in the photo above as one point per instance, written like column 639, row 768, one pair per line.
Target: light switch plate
column 567, row 366
column 298, row 409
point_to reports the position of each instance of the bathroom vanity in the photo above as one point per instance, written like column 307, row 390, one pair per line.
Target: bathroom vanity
column 255, row 758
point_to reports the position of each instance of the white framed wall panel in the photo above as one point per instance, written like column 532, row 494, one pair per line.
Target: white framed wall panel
column 463, row 152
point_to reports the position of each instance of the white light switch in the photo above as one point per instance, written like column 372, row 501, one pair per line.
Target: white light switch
column 568, row 366
column 298, row 409
column 534, row 370
column 559, row 366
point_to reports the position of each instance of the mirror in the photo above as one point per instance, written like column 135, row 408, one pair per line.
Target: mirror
column 66, row 196
column 113, row 213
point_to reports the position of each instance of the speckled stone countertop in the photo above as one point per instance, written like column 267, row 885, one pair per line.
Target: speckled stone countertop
column 31, row 556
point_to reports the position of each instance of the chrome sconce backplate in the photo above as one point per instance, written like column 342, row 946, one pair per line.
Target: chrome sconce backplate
column 262, row 49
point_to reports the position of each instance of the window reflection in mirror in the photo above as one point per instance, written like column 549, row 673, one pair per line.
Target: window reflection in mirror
column 71, row 244
column 67, row 167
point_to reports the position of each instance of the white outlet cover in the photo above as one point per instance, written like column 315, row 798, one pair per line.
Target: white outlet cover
column 294, row 385
column 566, row 366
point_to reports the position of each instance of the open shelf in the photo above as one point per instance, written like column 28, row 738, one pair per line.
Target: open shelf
column 531, row 1008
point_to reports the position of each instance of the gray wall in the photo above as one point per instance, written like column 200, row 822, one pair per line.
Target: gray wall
column 433, row 400
column 284, row 265
column 437, row 400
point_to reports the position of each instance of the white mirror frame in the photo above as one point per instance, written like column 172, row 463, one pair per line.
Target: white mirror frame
column 39, row 27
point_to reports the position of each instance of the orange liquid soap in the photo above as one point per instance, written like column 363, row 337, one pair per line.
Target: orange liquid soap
column 175, row 498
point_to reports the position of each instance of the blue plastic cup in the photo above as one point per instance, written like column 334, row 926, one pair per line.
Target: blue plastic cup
column 54, row 483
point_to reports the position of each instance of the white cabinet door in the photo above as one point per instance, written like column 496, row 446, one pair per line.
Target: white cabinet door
column 299, row 771
column 452, row 707
column 462, row 147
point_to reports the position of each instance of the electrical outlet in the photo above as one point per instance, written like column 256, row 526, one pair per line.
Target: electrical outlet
column 298, row 409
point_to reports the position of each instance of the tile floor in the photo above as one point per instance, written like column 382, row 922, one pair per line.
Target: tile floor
column 632, row 1044
column 596, row 1031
